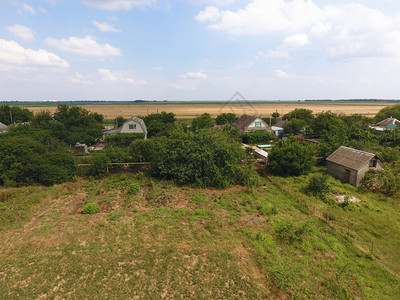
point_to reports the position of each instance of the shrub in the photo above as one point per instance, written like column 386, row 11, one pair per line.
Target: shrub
column 259, row 136
column 291, row 157
column 90, row 208
column 288, row 230
column 268, row 209
column 99, row 166
column 134, row 188
column 318, row 185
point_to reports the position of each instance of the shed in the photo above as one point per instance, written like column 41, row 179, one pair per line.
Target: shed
column 81, row 148
column 350, row 165
column 247, row 123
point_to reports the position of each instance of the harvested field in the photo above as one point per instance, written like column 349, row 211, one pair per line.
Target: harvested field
column 191, row 110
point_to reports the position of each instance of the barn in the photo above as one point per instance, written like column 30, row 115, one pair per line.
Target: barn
column 350, row 165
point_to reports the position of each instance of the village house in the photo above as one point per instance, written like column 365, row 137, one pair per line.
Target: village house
column 133, row 125
column 350, row 165
column 81, row 148
column 3, row 127
column 248, row 123
column 389, row 123
column 278, row 127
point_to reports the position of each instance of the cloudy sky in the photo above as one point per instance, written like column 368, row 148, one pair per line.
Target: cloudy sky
column 199, row 49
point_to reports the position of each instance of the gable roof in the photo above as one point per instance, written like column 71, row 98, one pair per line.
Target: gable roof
column 3, row 127
column 350, row 158
column 388, row 121
column 137, row 120
column 245, row 121
column 280, row 123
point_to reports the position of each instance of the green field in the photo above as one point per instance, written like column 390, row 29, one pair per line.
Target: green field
column 172, row 242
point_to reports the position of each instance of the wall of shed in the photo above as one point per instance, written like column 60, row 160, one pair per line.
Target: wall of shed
column 365, row 169
column 338, row 171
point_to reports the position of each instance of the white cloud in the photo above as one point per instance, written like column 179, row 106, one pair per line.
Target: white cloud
column 15, row 57
column 85, row 46
column 28, row 9
column 114, row 5
column 194, row 75
column 105, row 27
column 21, row 32
column 214, row 2
column 108, row 76
column 283, row 75
column 210, row 14
column 80, row 79
column 295, row 41
column 157, row 68
column 178, row 86
column 345, row 31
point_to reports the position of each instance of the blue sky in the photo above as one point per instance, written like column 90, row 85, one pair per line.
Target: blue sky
column 199, row 49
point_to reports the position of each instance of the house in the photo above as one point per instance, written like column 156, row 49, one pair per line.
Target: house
column 248, row 123
column 278, row 127
column 3, row 127
column 133, row 125
column 389, row 123
column 81, row 148
column 350, row 165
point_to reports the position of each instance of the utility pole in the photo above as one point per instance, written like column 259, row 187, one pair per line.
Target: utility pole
column 11, row 119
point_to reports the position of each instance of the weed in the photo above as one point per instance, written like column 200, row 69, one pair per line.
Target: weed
column 197, row 198
column 134, row 188
column 200, row 214
column 115, row 215
column 90, row 208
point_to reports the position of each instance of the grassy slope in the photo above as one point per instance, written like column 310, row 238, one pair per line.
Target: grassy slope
column 194, row 243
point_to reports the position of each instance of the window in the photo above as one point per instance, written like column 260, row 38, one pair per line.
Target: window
column 132, row 126
column 372, row 163
column 258, row 124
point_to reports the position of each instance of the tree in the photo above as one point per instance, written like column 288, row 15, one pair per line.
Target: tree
column 207, row 157
column 78, row 125
column 259, row 136
column 203, row 121
column 291, row 157
column 295, row 126
column 226, row 118
column 390, row 138
column 387, row 112
column 159, row 123
column 14, row 114
column 301, row 114
column 276, row 115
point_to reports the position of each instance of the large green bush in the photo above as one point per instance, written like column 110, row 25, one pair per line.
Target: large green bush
column 291, row 157
column 259, row 136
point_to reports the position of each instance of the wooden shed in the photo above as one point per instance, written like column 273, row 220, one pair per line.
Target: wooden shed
column 350, row 165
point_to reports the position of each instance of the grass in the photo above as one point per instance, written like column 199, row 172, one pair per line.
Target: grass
column 273, row 241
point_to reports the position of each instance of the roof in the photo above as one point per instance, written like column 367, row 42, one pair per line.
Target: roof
column 3, row 127
column 280, row 123
column 387, row 122
column 137, row 120
column 350, row 158
column 245, row 121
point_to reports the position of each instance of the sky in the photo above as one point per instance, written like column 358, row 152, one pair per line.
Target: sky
column 199, row 49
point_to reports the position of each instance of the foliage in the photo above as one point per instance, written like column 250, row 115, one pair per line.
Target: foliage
column 90, row 208
column 24, row 160
column 318, row 185
column 390, row 179
column 99, row 165
column 258, row 136
column 160, row 123
column 387, row 112
column 134, row 188
column 202, row 122
column 208, row 157
column 18, row 114
column 276, row 115
column 300, row 114
column 120, row 120
column 226, row 118
column 291, row 157
column 78, row 125
column 390, row 155
column 287, row 229
column 294, row 126
column 232, row 131
column 390, row 138
column 124, row 139
column 144, row 150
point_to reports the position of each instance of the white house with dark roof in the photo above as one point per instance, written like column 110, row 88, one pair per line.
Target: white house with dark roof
column 247, row 123
column 133, row 125
column 389, row 123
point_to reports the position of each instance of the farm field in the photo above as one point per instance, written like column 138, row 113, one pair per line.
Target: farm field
column 169, row 242
column 192, row 109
